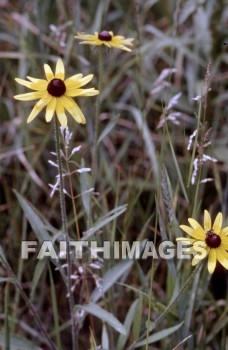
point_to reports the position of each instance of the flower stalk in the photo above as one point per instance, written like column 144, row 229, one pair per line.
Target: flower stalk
column 97, row 113
column 153, row 325
column 66, row 234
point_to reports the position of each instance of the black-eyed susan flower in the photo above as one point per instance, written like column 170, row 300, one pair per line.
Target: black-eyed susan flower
column 210, row 240
column 56, row 94
column 105, row 38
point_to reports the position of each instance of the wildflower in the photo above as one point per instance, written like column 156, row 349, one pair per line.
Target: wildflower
column 56, row 94
column 106, row 38
column 211, row 241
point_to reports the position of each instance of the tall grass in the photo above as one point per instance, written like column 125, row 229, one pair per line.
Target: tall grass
column 146, row 181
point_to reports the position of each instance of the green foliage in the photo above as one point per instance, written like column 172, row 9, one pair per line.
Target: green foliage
column 145, row 182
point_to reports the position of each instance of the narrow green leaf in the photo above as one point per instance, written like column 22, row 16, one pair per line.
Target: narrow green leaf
column 127, row 324
column 55, row 310
column 103, row 315
column 110, row 277
column 105, row 338
column 146, row 134
column 85, row 185
column 39, row 269
column 108, row 128
column 137, row 323
column 159, row 335
column 177, row 167
column 104, row 221
column 113, row 274
column 33, row 218
column 7, row 326
column 3, row 259
column 18, row 343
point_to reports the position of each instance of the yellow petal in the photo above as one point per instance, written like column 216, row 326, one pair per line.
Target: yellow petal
column 73, row 109
column 201, row 250
column 222, row 257
column 193, row 233
column 48, row 72
column 23, row 82
column 76, row 82
column 61, row 113
column 50, row 110
column 40, row 84
column 38, row 107
column 218, row 223
column 225, row 242
column 118, row 38
column 224, row 232
column 72, row 80
column 196, row 226
column 183, row 239
column 197, row 259
column 30, row 96
column 211, row 260
column 193, row 223
column 222, row 235
column 33, row 80
column 96, row 42
column 81, row 92
column 207, row 221
column 83, row 36
column 60, row 70
column 120, row 46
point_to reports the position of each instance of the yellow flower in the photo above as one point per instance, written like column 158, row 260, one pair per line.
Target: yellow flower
column 211, row 240
column 105, row 38
column 56, row 94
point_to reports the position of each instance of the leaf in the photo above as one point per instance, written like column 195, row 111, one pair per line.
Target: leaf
column 110, row 216
column 110, row 278
column 105, row 338
column 18, row 343
column 137, row 324
column 146, row 134
column 103, row 315
column 39, row 226
column 108, row 128
column 3, row 259
column 159, row 335
column 39, row 269
column 33, row 218
column 55, row 309
column 127, row 324
column 113, row 274
column 177, row 167
column 85, row 185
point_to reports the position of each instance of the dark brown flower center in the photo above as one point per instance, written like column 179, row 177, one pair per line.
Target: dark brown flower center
column 212, row 240
column 105, row 36
column 56, row 87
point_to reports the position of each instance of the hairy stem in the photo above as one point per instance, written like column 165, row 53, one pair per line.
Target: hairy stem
column 97, row 112
column 66, row 234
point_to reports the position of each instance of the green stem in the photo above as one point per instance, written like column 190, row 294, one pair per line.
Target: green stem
column 28, row 303
column 162, row 315
column 97, row 112
column 7, row 328
column 183, row 288
column 151, row 285
column 65, row 231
